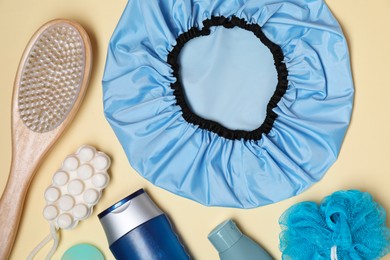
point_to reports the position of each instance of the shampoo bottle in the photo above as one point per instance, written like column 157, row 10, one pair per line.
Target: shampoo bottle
column 137, row 229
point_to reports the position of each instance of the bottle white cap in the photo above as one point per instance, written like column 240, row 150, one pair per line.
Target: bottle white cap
column 127, row 214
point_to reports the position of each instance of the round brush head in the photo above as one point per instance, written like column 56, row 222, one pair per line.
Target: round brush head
column 51, row 76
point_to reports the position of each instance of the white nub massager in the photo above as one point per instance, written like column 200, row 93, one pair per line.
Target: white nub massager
column 76, row 187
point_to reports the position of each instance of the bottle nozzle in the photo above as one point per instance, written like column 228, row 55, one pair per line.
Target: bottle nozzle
column 225, row 235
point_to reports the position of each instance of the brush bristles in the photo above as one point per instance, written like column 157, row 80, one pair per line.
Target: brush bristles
column 51, row 78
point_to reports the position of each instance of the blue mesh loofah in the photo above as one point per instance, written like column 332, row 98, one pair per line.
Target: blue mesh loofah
column 346, row 225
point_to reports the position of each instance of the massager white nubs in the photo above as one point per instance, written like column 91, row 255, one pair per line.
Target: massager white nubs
column 51, row 80
column 76, row 187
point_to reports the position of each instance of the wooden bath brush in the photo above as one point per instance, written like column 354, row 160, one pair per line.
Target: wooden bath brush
column 50, row 83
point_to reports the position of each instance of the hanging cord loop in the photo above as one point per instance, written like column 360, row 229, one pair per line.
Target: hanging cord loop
column 52, row 236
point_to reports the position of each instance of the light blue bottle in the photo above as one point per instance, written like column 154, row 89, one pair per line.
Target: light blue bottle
column 232, row 244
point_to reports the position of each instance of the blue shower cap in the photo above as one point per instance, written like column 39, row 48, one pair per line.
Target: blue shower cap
column 229, row 103
column 347, row 225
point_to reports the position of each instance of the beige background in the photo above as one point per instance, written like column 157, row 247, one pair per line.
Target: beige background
column 363, row 163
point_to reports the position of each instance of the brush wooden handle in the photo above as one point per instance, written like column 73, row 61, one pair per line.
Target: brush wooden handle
column 28, row 151
column 11, row 205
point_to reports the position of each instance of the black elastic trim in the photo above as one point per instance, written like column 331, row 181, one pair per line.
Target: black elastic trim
column 213, row 126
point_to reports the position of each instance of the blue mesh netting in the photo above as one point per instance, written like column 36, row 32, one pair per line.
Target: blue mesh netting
column 349, row 221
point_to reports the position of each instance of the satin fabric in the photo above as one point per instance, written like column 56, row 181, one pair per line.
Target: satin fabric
column 305, row 140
